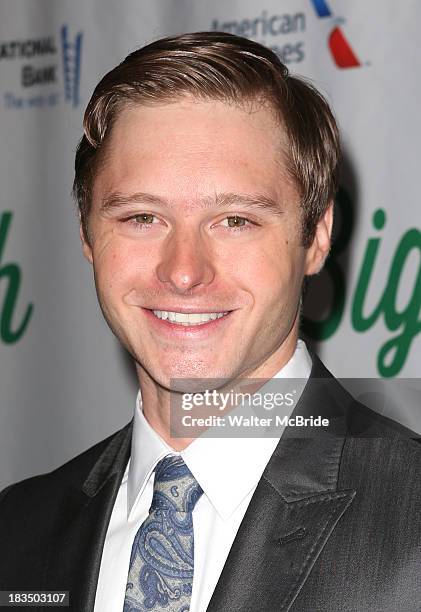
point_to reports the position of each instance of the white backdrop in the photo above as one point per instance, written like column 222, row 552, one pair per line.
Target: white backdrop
column 64, row 381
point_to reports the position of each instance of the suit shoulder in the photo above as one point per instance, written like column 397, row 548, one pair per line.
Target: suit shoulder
column 72, row 472
column 381, row 456
column 361, row 421
column 369, row 423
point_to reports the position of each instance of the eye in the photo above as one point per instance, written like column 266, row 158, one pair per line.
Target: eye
column 237, row 222
column 141, row 221
column 143, row 218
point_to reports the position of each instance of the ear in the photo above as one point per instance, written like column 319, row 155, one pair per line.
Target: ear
column 319, row 249
column 86, row 248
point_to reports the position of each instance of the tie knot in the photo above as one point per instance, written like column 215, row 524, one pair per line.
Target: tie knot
column 175, row 487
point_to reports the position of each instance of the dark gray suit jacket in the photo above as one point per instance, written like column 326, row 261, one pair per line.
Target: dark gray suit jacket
column 333, row 526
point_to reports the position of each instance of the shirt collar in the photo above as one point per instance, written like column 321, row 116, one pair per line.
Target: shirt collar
column 227, row 469
column 147, row 449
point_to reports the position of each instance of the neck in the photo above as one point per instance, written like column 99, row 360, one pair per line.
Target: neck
column 156, row 399
column 156, row 410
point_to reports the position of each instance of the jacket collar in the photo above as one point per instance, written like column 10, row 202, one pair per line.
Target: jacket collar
column 306, row 459
column 112, row 461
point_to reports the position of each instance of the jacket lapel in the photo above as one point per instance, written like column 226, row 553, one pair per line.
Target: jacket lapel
column 76, row 548
column 294, row 510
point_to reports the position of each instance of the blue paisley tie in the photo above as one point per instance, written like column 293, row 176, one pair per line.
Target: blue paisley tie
column 161, row 564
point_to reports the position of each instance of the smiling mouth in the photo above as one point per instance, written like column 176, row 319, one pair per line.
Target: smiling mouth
column 188, row 319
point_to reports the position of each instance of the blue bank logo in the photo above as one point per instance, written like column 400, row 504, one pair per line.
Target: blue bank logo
column 72, row 56
column 48, row 70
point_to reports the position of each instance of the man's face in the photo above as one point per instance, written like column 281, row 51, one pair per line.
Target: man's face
column 181, row 223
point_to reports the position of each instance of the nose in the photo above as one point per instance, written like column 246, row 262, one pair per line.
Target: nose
column 186, row 262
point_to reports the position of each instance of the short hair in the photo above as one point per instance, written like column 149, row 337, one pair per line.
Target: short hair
column 224, row 67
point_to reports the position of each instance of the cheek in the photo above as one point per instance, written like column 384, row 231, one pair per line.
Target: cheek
column 273, row 276
column 113, row 275
column 271, row 266
column 122, row 263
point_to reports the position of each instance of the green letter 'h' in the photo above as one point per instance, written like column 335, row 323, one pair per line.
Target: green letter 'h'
column 11, row 272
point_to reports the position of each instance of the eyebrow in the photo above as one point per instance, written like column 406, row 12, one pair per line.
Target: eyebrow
column 260, row 203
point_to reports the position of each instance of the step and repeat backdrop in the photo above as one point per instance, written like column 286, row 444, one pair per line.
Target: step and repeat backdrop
column 64, row 381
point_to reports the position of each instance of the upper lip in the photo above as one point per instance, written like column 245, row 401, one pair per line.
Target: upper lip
column 190, row 310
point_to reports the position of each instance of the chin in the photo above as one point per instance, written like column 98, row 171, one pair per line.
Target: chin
column 191, row 378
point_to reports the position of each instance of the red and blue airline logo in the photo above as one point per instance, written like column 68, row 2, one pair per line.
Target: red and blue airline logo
column 342, row 52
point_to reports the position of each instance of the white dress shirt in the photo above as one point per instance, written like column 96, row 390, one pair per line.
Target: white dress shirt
column 227, row 469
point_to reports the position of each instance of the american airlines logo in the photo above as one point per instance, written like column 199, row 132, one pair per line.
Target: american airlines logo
column 340, row 48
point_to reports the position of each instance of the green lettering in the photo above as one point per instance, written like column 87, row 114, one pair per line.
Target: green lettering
column 359, row 322
column 10, row 272
column 408, row 318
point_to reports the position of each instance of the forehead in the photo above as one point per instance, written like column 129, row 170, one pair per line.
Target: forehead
column 193, row 146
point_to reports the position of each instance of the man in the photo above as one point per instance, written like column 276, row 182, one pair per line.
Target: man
column 205, row 181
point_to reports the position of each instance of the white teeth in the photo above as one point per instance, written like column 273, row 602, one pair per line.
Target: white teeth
column 182, row 318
